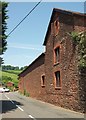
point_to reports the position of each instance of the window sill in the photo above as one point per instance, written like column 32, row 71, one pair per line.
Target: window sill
column 42, row 85
column 56, row 63
column 57, row 88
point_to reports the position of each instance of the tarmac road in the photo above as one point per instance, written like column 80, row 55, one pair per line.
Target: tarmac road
column 14, row 106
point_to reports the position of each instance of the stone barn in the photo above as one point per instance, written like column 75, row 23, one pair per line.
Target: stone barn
column 54, row 76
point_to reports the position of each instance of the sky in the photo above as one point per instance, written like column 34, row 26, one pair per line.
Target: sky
column 25, row 44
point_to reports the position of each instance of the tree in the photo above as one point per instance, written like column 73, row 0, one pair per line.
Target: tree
column 16, row 68
column 23, row 68
column 80, row 40
column 3, row 27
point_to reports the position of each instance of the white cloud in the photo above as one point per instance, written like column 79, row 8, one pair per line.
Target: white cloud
column 26, row 47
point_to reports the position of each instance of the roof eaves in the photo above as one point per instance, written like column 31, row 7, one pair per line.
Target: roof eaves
column 31, row 64
column 69, row 12
column 48, row 29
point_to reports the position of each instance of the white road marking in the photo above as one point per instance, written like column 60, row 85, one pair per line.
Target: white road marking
column 19, row 108
column 14, row 103
column 7, row 97
column 32, row 117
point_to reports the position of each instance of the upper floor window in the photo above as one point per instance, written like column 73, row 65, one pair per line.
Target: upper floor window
column 55, row 27
column 43, row 80
column 57, row 55
column 57, row 80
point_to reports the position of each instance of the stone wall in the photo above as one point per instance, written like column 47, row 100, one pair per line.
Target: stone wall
column 30, row 80
column 68, row 95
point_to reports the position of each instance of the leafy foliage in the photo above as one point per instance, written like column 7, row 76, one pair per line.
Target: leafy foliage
column 80, row 40
column 3, row 27
column 6, row 79
column 9, row 77
column 14, row 68
column 9, row 67
column 26, row 93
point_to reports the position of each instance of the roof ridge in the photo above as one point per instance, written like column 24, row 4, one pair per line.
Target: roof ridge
column 68, row 11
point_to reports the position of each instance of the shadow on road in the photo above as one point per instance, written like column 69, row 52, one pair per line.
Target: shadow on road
column 7, row 105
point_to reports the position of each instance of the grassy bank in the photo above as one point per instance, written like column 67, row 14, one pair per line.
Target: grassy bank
column 10, row 76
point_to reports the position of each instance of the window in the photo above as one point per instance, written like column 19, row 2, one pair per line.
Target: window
column 57, row 55
column 57, row 80
column 55, row 27
column 43, row 80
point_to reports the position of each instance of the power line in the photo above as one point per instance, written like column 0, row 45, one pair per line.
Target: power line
column 24, row 17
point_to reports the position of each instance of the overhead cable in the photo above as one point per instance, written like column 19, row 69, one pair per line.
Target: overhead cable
column 24, row 18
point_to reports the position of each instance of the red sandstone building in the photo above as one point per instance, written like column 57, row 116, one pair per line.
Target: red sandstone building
column 10, row 84
column 54, row 76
